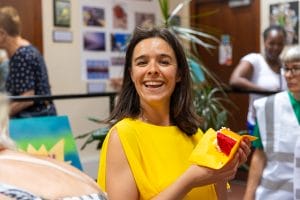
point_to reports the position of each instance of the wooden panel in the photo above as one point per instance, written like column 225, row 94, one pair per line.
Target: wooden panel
column 31, row 16
column 242, row 24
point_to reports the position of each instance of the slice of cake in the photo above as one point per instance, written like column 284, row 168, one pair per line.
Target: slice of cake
column 226, row 140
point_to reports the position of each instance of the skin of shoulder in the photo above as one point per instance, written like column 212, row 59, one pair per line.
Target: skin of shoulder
column 50, row 184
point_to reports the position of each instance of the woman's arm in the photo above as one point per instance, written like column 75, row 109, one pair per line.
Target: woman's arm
column 241, row 76
column 16, row 107
column 257, row 166
column 120, row 182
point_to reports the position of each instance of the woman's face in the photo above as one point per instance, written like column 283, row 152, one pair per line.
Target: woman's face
column 274, row 44
column 154, row 71
column 292, row 76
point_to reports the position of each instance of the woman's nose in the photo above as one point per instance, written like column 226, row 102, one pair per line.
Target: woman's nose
column 153, row 68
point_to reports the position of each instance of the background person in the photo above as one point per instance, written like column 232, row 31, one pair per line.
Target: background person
column 261, row 72
column 3, row 69
column 25, row 176
column 271, row 174
column 145, row 155
column 27, row 69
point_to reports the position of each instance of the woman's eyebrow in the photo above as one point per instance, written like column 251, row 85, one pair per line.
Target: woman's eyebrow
column 139, row 57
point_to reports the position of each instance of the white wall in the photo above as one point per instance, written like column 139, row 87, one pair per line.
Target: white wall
column 63, row 62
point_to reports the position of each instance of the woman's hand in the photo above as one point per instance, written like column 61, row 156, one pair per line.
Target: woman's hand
column 203, row 175
column 244, row 150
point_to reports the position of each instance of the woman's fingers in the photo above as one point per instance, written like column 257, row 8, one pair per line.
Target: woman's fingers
column 244, row 150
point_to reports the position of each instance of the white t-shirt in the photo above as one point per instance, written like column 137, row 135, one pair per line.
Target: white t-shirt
column 264, row 77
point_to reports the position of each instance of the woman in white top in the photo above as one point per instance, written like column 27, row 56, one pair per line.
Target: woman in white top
column 261, row 72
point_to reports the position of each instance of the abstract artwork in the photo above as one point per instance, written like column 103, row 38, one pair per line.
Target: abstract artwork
column 47, row 136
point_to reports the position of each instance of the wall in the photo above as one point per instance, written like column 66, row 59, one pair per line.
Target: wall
column 63, row 61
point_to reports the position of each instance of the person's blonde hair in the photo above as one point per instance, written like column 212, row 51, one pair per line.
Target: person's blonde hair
column 292, row 54
column 5, row 141
column 10, row 20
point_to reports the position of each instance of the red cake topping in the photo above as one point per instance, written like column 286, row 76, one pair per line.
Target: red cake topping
column 225, row 143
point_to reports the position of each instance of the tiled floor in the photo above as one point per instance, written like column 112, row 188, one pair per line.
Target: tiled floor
column 237, row 190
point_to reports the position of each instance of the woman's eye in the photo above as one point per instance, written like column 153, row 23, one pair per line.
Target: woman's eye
column 165, row 62
column 141, row 63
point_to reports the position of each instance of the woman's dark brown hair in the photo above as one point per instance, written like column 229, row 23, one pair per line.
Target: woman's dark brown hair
column 181, row 106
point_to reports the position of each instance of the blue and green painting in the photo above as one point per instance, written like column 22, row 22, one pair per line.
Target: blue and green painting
column 48, row 136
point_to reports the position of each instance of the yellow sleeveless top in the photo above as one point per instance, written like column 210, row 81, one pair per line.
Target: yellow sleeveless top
column 157, row 156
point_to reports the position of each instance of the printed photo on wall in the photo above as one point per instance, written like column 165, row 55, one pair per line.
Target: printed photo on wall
column 286, row 14
column 97, row 69
column 144, row 19
column 118, row 61
column 93, row 16
column 119, row 41
column 62, row 13
column 94, row 41
column 119, row 16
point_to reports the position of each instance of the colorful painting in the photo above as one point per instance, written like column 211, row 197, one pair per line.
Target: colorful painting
column 48, row 136
column 286, row 14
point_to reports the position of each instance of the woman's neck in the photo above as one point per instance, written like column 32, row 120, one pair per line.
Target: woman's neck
column 273, row 62
column 14, row 43
column 154, row 116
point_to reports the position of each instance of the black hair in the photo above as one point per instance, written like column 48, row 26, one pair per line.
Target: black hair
column 271, row 28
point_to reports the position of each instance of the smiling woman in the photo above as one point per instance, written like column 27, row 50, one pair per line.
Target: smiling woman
column 155, row 128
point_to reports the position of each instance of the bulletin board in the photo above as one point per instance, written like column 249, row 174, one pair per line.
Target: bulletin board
column 106, row 27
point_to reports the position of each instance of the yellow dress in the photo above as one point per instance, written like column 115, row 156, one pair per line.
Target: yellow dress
column 157, row 156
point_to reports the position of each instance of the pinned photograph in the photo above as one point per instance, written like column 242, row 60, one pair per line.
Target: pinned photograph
column 144, row 19
column 118, row 61
column 119, row 41
column 94, row 41
column 93, row 16
column 97, row 69
column 119, row 16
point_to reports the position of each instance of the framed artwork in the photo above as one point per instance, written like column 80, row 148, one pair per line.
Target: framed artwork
column 286, row 14
column 62, row 13
column 283, row 13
